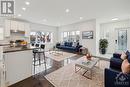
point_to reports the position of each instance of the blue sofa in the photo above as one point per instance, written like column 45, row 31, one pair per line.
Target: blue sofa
column 113, row 76
column 68, row 46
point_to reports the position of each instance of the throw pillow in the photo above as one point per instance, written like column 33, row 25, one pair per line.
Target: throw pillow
column 125, row 67
column 116, row 55
column 127, row 52
column 62, row 43
column 123, row 56
column 74, row 44
column 128, row 55
column 66, row 44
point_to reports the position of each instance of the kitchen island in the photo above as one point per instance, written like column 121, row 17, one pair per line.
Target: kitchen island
column 15, row 49
column 18, row 64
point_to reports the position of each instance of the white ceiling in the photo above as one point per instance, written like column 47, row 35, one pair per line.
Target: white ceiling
column 54, row 10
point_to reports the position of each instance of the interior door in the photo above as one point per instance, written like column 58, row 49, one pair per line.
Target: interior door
column 121, row 39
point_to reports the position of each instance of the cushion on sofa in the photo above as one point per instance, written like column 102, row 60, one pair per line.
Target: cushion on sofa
column 71, row 48
column 74, row 44
column 127, row 52
column 116, row 55
column 115, row 63
column 62, row 43
column 123, row 56
column 68, row 44
column 125, row 67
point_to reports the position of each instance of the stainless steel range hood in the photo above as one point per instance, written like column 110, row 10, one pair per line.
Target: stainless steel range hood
column 17, row 31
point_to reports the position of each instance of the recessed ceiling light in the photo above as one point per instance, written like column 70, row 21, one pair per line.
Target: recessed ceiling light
column 44, row 20
column 80, row 18
column 67, row 10
column 19, row 15
column 27, row 3
column 114, row 19
column 24, row 8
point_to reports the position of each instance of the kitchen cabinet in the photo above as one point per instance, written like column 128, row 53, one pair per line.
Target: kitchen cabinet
column 7, row 28
column 14, row 25
column 18, row 66
column 1, row 33
column 20, row 26
column 27, row 29
column 2, row 69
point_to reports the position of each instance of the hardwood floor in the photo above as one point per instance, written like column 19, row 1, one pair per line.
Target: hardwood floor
column 39, row 80
column 34, row 81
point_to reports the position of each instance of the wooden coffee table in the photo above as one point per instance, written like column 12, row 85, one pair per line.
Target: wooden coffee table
column 87, row 65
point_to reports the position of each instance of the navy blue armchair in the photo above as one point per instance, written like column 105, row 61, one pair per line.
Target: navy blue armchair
column 114, row 78
column 116, row 61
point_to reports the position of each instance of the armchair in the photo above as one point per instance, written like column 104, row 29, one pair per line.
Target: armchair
column 116, row 61
column 114, row 78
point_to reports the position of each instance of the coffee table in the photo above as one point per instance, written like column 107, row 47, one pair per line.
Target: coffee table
column 87, row 65
column 56, row 51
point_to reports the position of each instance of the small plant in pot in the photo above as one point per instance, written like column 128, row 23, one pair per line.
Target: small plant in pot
column 103, row 44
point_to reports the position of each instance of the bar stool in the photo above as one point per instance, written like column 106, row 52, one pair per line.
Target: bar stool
column 37, row 45
column 37, row 55
column 41, row 51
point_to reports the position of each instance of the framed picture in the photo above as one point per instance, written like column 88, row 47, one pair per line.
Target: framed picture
column 87, row 35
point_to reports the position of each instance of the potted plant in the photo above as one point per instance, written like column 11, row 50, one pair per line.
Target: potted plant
column 103, row 44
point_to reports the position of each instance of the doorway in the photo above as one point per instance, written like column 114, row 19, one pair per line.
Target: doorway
column 121, row 39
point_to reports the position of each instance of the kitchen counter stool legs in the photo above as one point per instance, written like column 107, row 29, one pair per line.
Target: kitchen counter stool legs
column 37, row 54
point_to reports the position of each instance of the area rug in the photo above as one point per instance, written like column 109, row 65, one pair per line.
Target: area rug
column 66, row 76
column 59, row 56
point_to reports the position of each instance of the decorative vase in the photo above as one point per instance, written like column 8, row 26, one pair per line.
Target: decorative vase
column 103, row 51
column 88, row 56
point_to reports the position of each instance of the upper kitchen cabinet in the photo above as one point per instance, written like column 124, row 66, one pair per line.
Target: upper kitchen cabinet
column 20, row 26
column 7, row 28
column 14, row 25
column 27, row 29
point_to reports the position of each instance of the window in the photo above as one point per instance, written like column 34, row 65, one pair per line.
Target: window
column 77, row 32
column 65, row 34
column 70, row 36
column 72, row 33
column 41, row 37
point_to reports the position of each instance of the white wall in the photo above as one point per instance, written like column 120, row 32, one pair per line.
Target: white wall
column 1, row 21
column 46, row 28
column 110, row 29
column 89, row 25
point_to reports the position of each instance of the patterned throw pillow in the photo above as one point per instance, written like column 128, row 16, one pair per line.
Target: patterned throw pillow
column 123, row 56
column 74, row 44
column 62, row 43
column 125, row 67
